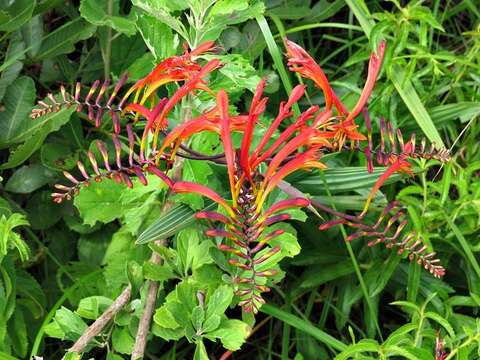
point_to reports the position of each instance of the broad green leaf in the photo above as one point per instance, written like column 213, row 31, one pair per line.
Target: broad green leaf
column 93, row 306
column 100, row 202
column 198, row 317
column 70, row 323
column 193, row 250
column 22, row 152
column 229, row 12
column 238, row 74
column 96, row 12
column 32, row 34
column 135, row 275
column 165, row 319
column 12, row 64
column 157, row 272
column 5, row 356
column 18, row 334
column 72, row 356
column 28, row 179
column 219, row 301
column 161, row 11
column 10, row 239
column 122, row 341
column 62, row 40
column 232, row 334
column 33, row 133
column 112, row 356
column 157, row 36
column 200, row 351
column 16, row 14
column 18, row 102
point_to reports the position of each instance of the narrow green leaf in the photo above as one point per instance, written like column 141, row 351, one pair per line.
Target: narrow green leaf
column 464, row 243
column 365, row 345
column 276, row 56
column 304, row 326
column 170, row 223
column 410, row 97
column 63, row 39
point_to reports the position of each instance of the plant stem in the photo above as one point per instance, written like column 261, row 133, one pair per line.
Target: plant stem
column 108, row 45
column 144, row 324
column 99, row 324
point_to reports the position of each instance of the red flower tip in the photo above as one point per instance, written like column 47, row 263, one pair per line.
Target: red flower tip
column 301, row 62
column 286, row 204
column 211, row 215
column 189, row 187
column 373, row 70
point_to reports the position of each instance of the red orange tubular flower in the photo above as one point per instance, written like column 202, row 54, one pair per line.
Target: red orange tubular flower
column 344, row 128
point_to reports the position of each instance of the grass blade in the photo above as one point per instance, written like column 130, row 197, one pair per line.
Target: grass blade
column 463, row 242
column 276, row 55
column 170, row 223
column 303, row 325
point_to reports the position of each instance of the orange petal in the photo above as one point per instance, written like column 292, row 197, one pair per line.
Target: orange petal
column 373, row 70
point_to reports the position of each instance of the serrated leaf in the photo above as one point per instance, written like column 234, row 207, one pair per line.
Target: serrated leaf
column 161, row 11
column 157, row 36
column 157, row 272
column 232, row 333
column 96, row 13
column 99, row 202
column 219, row 301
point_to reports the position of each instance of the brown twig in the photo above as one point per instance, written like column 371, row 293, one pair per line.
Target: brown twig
column 144, row 324
column 99, row 324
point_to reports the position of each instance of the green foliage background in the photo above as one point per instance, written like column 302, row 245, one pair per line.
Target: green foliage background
column 61, row 265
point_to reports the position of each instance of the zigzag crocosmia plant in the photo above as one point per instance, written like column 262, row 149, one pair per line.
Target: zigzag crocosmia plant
column 290, row 143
